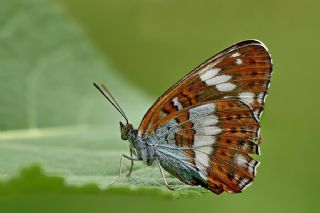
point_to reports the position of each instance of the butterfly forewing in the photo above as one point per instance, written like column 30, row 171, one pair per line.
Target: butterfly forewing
column 241, row 71
column 207, row 124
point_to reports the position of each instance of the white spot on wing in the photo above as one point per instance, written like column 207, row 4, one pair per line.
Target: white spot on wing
column 246, row 97
column 236, row 177
column 243, row 182
column 240, row 160
column 209, row 74
column 239, row 61
column 252, row 162
column 260, row 97
column 176, row 103
column 202, row 110
column 202, row 160
column 225, row 87
column 203, row 140
column 205, row 121
column 235, row 55
column 208, row 130
column 218, row 80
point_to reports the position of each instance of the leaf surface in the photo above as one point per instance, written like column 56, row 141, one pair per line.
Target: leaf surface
column 50, row 112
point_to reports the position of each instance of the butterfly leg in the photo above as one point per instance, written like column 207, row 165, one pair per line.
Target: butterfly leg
column 163, row 177
column 130, row 171
column 121, row 160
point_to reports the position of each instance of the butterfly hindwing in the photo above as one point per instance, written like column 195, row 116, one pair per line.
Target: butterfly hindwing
column 206, row 126
column 212, row 140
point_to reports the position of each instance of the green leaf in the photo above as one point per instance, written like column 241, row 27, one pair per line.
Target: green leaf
column 50, row 112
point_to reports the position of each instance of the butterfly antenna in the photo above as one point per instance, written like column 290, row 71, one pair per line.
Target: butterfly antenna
column 114, row 100
column 111, row 99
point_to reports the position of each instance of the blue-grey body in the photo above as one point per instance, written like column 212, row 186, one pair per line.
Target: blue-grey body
column 162, row 146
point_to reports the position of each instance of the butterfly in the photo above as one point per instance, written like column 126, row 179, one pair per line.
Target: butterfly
column 204, row 128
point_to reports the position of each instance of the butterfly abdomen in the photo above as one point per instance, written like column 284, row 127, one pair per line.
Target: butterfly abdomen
column 178, row 164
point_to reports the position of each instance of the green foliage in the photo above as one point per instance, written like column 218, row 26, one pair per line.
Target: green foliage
column 32, row 180
column 47, row 70
column 52, row 115
column 81, row 155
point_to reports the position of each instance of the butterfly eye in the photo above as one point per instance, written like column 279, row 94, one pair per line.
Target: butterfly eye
column 124, row 136
column 124, row 133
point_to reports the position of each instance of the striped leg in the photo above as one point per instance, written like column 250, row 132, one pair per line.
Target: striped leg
column 130, row 170
column 121, row 159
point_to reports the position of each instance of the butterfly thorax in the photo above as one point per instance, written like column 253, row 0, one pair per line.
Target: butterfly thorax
column 139, row 147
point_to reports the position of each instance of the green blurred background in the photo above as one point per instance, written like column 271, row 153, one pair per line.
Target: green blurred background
column 153, row 43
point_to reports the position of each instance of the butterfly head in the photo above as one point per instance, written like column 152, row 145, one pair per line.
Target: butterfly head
column 126, row 130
